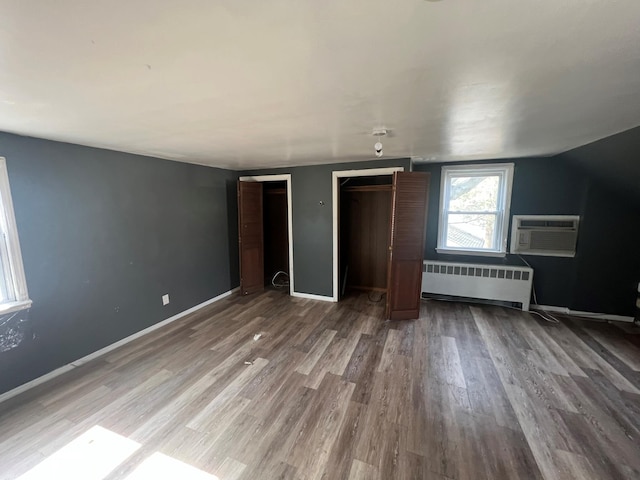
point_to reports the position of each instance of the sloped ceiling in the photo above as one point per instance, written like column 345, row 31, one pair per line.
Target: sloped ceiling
column 242, row 84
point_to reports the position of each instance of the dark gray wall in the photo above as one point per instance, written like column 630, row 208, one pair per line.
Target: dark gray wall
column 601, row 278
column 608, row 267
column 313, row 223
column 608, row 270
column 614, row 160
column 604, row 273
column 104, row 235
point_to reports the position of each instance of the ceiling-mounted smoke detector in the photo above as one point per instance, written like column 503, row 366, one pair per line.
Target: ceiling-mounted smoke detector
column 378, row 148
column 378, row 132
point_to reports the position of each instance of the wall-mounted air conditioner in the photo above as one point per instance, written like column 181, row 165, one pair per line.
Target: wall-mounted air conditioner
column 548, row 235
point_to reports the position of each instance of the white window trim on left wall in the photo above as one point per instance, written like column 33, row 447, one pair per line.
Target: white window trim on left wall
column 18, row 281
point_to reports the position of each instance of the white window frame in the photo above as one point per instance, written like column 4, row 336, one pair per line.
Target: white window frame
column 505, row 172
column 16, row 279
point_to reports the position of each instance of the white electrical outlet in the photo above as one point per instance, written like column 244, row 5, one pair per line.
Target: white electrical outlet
column 165, row 299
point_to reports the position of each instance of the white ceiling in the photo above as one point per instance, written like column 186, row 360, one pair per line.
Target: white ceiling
column 243, row 84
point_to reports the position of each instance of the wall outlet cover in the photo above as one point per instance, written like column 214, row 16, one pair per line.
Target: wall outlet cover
column 165, row 299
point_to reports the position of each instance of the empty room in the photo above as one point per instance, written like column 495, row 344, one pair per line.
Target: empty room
column 319, row 240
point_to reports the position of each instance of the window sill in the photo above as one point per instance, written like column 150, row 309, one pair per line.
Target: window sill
column 14, row 306
column 471, row 253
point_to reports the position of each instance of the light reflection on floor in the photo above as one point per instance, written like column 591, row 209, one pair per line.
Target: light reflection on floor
column 163, row 466
column 98, row 451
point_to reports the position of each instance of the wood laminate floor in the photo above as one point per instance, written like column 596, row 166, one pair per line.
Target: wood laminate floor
column 331, row 391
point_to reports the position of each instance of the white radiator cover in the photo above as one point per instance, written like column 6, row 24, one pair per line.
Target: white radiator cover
column 487, row 282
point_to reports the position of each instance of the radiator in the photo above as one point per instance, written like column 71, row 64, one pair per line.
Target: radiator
column 487, row 282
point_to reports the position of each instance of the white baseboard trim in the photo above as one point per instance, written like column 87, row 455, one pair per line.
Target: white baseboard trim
column 311, row 296
column 87, row 358
column 34, row 383
column 577, row 313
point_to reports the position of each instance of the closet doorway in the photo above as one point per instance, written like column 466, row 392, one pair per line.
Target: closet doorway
column 276, row 241
column 362, row 244
column 265, row 233
column 338, row 178
column 364, row 229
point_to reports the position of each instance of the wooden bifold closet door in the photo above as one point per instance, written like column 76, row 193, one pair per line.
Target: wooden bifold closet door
column 406, row 246
column 251, row 237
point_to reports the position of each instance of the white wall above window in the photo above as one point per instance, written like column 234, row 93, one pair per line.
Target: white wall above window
column 13, row 284
column 474, row 209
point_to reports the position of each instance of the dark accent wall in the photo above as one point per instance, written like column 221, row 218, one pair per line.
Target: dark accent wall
column 614, row 160
column 603, row 275
column 313, row 223
column 608, row 270
column 104, row 235
column 608, row 267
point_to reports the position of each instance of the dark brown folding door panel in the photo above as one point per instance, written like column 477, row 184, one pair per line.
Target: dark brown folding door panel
column 251, row 237
column 406, row 248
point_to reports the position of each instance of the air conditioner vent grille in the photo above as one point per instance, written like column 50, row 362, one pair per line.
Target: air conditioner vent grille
column 547, row 224
column 552, row 240
column 551, row 235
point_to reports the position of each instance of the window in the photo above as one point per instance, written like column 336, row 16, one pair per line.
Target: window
column 13, row 285
column 474, row 209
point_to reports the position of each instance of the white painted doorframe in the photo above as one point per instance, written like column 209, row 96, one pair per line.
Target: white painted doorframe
column 279, row 178
column 335, row 189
